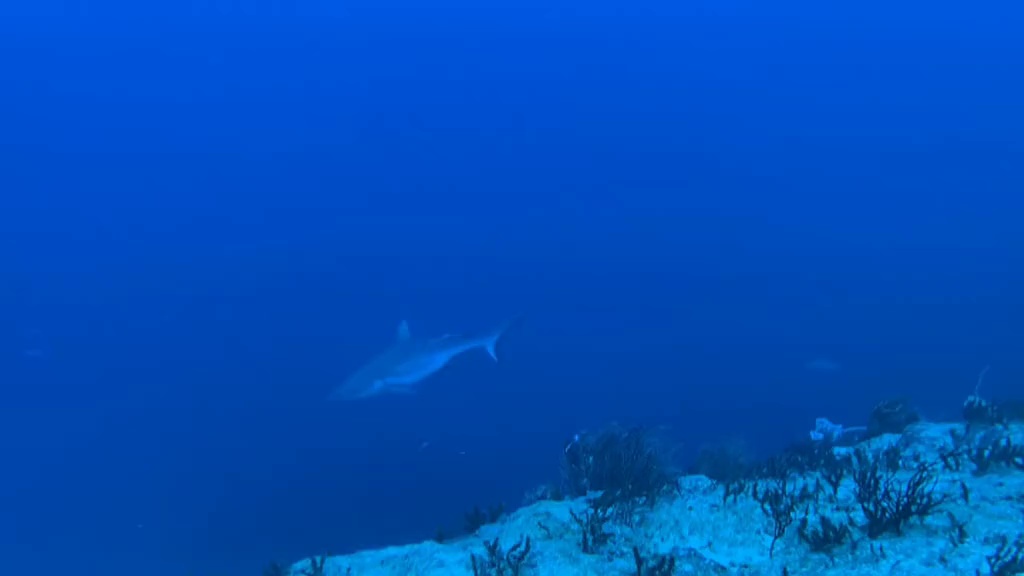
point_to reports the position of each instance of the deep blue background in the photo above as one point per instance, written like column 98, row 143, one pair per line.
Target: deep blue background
column 212, row 212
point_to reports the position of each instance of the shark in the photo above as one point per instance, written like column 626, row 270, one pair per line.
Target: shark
column 409, row 361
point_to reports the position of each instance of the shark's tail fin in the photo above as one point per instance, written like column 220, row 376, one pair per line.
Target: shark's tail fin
column 491, row 341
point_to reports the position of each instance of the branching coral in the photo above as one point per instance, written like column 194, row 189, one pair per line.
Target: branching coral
column 592, row 532
column 779, row 503
column 662, row 565
column 1008, row 558
column 497, row 562
column 824, row 537
column 626, row 463
column 889, row 504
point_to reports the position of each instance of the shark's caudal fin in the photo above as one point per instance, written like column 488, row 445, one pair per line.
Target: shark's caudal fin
column 491, row 341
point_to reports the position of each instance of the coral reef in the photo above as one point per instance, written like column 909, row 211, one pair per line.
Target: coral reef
column 913, row 497
column 623, row 463
column 476, row 517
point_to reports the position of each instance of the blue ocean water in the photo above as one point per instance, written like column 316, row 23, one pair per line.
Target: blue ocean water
column 722, row 219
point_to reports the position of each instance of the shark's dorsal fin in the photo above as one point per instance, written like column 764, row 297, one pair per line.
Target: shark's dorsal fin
column 403, row 331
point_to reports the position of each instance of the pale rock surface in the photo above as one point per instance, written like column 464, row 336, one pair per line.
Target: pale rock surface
column 710, row 536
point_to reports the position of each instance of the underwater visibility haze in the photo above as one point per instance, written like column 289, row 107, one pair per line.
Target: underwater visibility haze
column 721, row 228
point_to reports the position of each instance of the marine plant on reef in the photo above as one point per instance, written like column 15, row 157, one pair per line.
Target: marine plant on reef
column 625, row 463
column 994, row 450
column 659, row 565
column 317, row 564
column 477, row 517
column 275, row 569
column 1008, row 558
column 887, row 503
column 592, row 527
column 779, row 503
column 498, row 562
column 891, row 417
column 723, row 462
column 824, row 537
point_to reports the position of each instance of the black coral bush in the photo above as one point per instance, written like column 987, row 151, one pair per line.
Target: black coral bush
column 628, row 463
column 888, row 503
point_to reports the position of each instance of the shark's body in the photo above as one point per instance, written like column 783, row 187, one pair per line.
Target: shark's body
column 408, row 362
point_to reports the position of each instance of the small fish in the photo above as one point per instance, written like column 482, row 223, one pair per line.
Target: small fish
column 409, row 361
